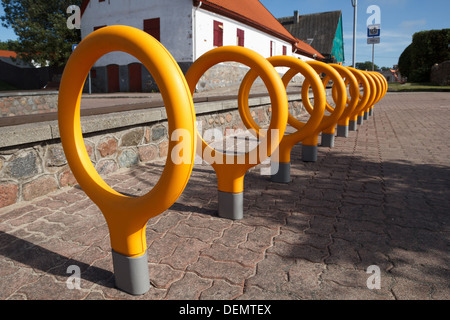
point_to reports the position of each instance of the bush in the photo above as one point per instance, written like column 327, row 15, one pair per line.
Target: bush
column 404, row 62
column 426, row 49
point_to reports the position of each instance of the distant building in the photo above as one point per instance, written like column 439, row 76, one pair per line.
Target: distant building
column 22, row 75
column 392, row 74
column 323, row 31
column 188, row 29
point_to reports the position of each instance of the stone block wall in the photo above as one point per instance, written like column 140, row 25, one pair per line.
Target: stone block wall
column 23, row 104
column 35, row 169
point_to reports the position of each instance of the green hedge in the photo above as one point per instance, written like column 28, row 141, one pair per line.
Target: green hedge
column 426, row 49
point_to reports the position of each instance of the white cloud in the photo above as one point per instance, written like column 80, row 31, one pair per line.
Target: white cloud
column 413, row 23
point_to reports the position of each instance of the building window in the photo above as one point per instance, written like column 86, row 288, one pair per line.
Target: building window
column 272, row 48
column 284, row 50
column 218, row 34
column 240, row 37
column 152, row 27
column 98, row 27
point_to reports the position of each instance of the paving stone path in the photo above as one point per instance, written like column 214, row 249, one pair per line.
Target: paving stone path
column 380, row 197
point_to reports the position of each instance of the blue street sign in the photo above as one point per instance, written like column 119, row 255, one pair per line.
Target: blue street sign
column 373, row 30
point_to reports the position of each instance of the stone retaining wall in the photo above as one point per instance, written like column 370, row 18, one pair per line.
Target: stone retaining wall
column 440, row 74
column 19, row 104
column 32, row 160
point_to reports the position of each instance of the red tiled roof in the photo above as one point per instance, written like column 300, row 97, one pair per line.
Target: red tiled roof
column 8, row 54
column 252, row 13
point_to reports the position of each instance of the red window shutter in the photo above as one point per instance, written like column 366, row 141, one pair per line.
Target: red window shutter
column 271, row 48
column 284, row 50
column 218, row 34
column 152, row 27
column 240, row 37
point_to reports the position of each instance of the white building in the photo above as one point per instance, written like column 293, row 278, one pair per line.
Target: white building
column 187, row 29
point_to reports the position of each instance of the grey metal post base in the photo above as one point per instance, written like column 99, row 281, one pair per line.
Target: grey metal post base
column 328, row 140
column 309, row 153
column 371, row 112
column 342, row 131
column 131, row 273
column 281, row 172
column 352, row 126
column 360, row 120
column 231, row 205
column 366, row 115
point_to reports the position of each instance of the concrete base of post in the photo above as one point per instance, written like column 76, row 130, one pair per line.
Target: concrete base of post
column 342, row 131
column 366, row 115
column 328, row 140
column 281, row 172
column 309, row 153
column 131, row 273
column 352, row 125
column 360, row 120
column 371, row 112
column 231, row 205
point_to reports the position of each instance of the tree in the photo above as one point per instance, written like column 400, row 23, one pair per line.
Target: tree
column 41, row 28
column 365, row 65
column 426, row 49
column 7, row 45
column 404, row 62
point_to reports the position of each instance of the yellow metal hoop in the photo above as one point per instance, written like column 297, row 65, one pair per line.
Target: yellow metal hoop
column 232, row 168
column 127, row 216
column 303, row 129
column 328, row 121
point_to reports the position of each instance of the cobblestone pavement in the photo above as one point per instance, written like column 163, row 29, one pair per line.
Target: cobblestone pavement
column 379, row 197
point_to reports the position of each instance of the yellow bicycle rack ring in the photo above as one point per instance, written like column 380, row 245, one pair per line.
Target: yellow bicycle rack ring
column 378, row 95
column 352, row 98
column 328, row 123
column 127, row 216
column 363, row 99
column 230, row 169
column 372, row 97
column 281, row 161
column 382, row 86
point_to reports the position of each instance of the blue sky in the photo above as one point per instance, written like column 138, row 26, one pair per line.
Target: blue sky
column 400, row 19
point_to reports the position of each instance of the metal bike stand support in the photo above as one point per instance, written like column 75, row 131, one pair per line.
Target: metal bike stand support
column 366, row 115
column 231, row 205
column 309, row 153
column 280, row 172
column 371, row 112
column 352, row 125
column 360, row 120
column 328, row 140
column 342, row 131
column 131, row 273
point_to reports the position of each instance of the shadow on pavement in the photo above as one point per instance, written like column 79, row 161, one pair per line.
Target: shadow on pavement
column 39, row 258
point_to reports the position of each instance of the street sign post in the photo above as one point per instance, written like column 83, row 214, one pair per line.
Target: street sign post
column 373, row 31
column 373, row 37
column 373, row 40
